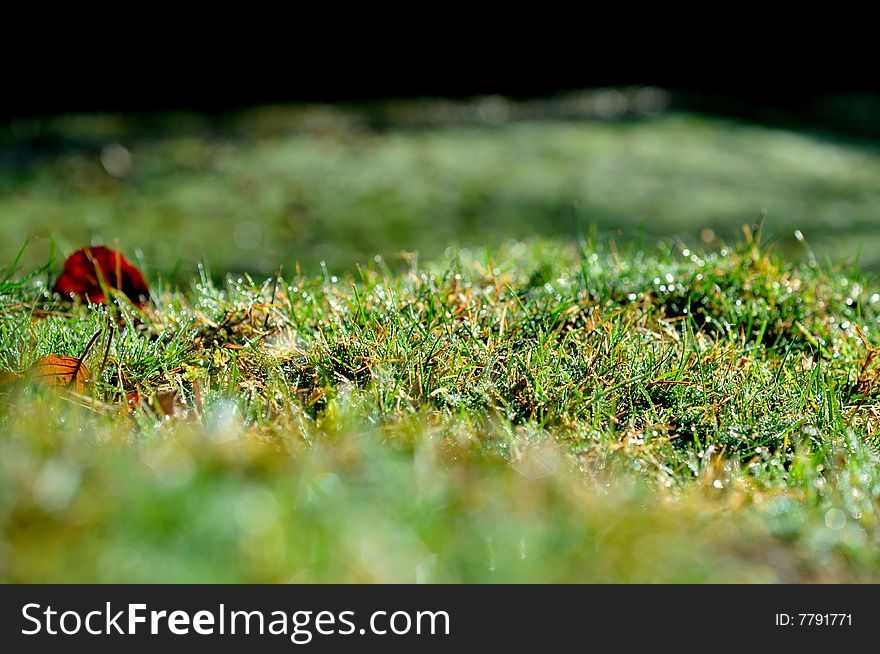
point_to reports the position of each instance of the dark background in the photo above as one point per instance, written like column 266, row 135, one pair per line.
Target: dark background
column 744, row 66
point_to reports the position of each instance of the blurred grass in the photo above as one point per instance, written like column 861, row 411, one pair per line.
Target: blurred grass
column 81, row 506
column 278, row 187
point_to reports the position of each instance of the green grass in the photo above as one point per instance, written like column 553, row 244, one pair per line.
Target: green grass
column 288, row 186
column 531, row 412
column 525, row 351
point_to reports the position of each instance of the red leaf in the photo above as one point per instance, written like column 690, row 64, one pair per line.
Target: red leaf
column 85, row 269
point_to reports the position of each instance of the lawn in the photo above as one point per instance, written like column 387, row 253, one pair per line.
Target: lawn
column 526, row 399
column 271, row 187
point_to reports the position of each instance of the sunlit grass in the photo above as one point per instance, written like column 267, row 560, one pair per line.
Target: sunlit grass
column 533, row 412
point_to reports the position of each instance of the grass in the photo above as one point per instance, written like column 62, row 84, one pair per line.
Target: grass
column 537, row 411
column 285, row 186
column 404, row 355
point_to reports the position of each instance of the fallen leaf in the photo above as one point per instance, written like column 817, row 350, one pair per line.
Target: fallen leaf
column 56, row 370
column 87, row 269
column 168, row 404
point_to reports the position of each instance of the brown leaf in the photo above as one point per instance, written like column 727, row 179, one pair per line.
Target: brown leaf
column 166, row 404
column 55, row 370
